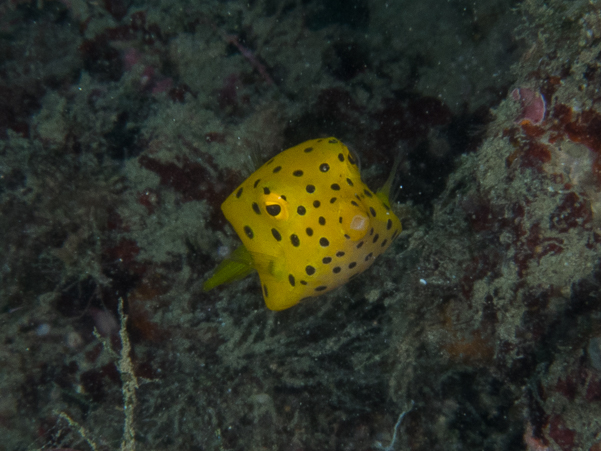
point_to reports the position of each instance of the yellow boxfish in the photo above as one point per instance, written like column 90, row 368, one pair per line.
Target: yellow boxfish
column 307, row 222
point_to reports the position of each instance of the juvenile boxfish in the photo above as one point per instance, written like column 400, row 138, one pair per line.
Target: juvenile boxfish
column 307, row 223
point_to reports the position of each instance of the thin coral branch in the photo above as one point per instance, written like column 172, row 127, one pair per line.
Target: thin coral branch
column 390, row 447
column 130, row 385
column 80, row 430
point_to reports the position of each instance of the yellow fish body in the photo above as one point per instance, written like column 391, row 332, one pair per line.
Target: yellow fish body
column 308, row 223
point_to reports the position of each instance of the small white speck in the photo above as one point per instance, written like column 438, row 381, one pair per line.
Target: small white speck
column 423, row 281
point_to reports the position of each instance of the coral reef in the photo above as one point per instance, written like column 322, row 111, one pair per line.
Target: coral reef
column 125, row 125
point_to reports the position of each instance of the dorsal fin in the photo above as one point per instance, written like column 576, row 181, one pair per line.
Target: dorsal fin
column 387, row 193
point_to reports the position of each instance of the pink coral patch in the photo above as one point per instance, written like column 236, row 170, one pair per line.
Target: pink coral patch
column 532, row 103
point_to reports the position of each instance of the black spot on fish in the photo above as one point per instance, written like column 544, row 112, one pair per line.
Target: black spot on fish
column 394, row 235
column 291, row 279
column 333, row 141
column 308, row 149
column 336, row 270
column 266, row 191
column 256, row 183
column 310, row 189
column 339, row 254
column 257, row 209
column 324, row 242
column 277, row 169
column 322, row 220
column 351, row 159
column 265, row 290
column 316, row 203
column 341, row 157
column 384, row 242
column 335, row 186
column 239, row 193
column 298, row 173
column 310, row 270
column 360, row 244
column 352, row 265
column 367, row 193
column 354, row 203
column 321, row 288
column 301, row 210
column 249, row 232
column 332, row 200
column 389, row 224
column 303, row 282
column 295, row 240
column 369, row 256
column 324, row 167
column 376, row 237
column 327, row 260
column 372, row 211
column 350, row 182
column 309, row 231
column 276, row 234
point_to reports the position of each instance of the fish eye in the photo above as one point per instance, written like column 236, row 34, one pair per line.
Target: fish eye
column 274, row 209
column 276, row 206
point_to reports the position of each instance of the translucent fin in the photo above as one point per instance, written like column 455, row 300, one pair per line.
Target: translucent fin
column 387, row 193
column 255, row 158
column 237, row 266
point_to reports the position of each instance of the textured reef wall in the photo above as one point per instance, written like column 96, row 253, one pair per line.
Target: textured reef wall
column 125, row 125
column 507, row 329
